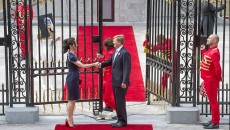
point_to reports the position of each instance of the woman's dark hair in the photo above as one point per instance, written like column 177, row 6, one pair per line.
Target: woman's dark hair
column 66, row 44
column 108, row 43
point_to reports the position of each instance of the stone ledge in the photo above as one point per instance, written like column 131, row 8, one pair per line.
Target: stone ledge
column 21, row 115
column 183, row 115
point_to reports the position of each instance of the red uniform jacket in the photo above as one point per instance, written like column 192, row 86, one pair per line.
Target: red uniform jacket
column 164, row 47
column 108, row 96
column 19, row 16
column 20, row 10
column 107, row 71
column 210, row 65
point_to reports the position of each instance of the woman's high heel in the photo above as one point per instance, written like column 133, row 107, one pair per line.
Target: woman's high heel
column 67, row 124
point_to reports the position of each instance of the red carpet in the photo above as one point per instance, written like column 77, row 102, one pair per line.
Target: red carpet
column 104, row 127
column 136, row 91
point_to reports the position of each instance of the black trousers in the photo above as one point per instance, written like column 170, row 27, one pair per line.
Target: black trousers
column 119, row 96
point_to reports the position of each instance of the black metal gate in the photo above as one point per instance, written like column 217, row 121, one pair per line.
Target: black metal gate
column 161, row 28
column 173, row 58
column 35, row 65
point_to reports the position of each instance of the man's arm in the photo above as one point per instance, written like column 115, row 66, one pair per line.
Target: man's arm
column 106, row 63
column 212, row 8
column 126, row 67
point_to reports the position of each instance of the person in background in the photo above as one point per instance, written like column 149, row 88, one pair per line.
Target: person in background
column 72, row 78
column 121, row 69
column 165, row 47
column 46, row 44
column 22, row 18
column 108, row 95
column 211, row 74
column 146, row 44
column 208, row 14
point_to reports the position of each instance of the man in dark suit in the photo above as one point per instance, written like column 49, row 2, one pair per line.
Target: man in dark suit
column 208, row 14
column 121, row 67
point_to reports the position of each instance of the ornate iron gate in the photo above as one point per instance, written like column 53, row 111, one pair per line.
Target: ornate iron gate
column 173, row 58
column 161, row 37
column 36, row 65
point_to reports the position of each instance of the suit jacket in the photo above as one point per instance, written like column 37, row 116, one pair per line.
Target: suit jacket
column 208, row 13
column 121, row 67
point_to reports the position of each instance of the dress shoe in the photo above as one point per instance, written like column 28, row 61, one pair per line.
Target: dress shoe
column 119, row 124
column 206, row 124
column 211, row 126
column 114, row 118
column 108, row 109
column 112, row 124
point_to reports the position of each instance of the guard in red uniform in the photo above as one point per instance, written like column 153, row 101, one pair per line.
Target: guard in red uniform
column 146, row 44
column 211, row 74
column 20, row 18
column 164, row 46
column 108, row 95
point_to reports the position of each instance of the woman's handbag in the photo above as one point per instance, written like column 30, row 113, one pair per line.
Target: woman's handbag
column 203, row 90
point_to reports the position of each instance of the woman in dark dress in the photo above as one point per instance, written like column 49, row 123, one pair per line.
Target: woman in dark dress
column 72, row 78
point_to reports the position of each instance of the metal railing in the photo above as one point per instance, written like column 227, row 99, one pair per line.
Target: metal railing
column 4, row 100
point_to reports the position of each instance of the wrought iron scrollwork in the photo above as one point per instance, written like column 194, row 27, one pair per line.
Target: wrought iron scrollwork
column 186, row 48
column 17, row 66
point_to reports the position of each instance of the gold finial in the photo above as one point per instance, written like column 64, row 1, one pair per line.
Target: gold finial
column 51, row 95
column 44, row 1
column 170, row 1
column 95, row 93
column 74, row 107
column 82, row 106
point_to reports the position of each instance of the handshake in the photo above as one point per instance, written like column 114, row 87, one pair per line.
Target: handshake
column 96, row 64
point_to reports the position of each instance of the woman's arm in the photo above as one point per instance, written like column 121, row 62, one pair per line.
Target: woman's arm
column 81, row 65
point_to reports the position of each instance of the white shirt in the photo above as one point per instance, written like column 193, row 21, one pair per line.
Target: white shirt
column 117, row 51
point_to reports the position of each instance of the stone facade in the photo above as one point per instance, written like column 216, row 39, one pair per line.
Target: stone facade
column 126, row 12
column 130, row 11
